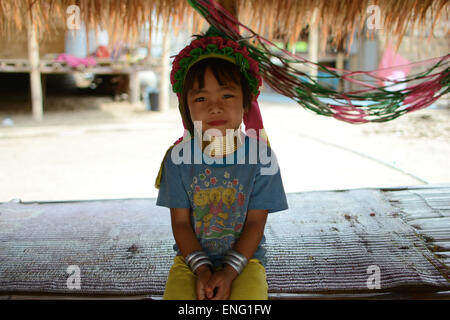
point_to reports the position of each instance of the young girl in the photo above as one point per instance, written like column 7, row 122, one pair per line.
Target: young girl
column 218, row 185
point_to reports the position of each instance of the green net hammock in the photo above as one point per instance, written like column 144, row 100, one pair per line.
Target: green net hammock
column 373, row 103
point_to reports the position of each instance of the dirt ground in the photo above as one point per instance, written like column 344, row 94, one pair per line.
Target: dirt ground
column 95, row 148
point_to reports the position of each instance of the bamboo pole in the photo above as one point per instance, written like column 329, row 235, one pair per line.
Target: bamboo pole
column 165, row 69
column 134, row 87
column 340, row 61
column 35, row 74
column 313, row 42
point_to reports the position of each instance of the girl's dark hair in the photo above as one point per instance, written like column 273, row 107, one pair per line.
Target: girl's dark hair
column 223, row 71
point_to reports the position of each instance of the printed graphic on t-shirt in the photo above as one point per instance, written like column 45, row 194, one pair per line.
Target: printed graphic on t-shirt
column 218, row 209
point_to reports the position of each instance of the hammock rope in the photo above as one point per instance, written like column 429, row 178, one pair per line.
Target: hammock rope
column 374, row 103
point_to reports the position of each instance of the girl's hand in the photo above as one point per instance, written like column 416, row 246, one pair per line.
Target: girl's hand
column 203, row 275
column 219, row 285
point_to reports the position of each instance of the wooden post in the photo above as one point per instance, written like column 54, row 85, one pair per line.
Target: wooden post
column 35, row 74
column 44, row 87
column 340, row 63
column 354, row 60
column 313, row 43
column 134, row 89
column 165, row 69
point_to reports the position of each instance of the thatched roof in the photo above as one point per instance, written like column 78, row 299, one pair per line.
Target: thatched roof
column 270, row 18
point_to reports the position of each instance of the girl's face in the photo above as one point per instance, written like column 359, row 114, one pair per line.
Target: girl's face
column 216, row 106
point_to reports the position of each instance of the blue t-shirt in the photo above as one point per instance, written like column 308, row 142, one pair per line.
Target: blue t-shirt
column 219, row 191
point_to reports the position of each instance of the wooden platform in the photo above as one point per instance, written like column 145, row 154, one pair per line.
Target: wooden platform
column 324, row 246
column 103, row 66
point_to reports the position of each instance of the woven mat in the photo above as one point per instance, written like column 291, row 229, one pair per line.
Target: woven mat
column 325, row 242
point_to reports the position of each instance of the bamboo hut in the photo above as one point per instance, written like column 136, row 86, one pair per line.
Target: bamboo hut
column 339, row 21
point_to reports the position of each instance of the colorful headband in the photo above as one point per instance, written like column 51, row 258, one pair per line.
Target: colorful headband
column 215, row 47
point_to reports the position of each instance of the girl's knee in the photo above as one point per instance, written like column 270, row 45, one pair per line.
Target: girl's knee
column 251, row 284
column 181, row 282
